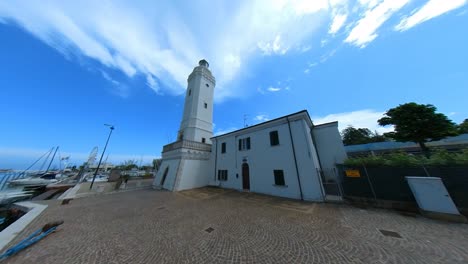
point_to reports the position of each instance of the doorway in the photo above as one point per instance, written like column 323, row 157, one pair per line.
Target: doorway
column 163, row 179
column 245, row 176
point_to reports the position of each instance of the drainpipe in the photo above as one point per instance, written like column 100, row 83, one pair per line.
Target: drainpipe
column 216, row 159
column 319, row 170
column 295, row 160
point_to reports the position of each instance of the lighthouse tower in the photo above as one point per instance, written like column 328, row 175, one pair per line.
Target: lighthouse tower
column 197, row 122
column 186, row 162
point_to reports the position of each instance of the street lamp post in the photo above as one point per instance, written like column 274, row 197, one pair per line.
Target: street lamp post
column 99, row 164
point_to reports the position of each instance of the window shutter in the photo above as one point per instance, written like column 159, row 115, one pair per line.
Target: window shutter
column 279, row 177
column 274, row 140
column 240, row 144
column 248, row 143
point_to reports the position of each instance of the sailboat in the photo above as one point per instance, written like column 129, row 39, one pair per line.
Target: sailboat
column 40, row 178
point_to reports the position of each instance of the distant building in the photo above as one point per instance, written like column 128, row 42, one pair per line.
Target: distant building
column 450, row 144
column 287, row 156
column 104, row 166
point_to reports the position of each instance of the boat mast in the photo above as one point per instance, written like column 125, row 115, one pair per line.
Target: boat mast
column 34, row 163
column 50, row 163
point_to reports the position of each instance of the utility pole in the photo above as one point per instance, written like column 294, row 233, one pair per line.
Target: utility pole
column 99, row 164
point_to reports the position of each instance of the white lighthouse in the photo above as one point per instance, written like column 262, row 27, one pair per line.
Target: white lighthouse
column 186, row 162
column 197, row 122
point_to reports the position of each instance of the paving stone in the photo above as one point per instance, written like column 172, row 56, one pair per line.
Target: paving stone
column 149, row 226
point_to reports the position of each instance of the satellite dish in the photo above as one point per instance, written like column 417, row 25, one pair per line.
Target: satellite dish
column 92, row 156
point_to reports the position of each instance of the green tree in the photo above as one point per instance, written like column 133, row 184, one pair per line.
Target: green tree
column 376, row 137
column 418, row 123
column 156, row 164
column 355, row 136
column 463, row 127
column 128, row 165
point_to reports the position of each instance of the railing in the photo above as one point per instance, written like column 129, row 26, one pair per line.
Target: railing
column 187, row 144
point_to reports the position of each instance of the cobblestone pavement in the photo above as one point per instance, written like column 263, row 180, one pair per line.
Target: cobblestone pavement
column 149, row 226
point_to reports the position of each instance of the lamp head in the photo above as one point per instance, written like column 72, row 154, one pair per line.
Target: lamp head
column 110, row 126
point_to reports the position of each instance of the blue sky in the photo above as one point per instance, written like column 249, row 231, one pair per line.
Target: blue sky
column 69, row 67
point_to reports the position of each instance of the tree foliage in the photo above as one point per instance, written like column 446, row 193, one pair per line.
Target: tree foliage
column 355, row 136
column 156, row 164
column 440, row 157
column 128, row 165
column 462, row 128
column 417, row 123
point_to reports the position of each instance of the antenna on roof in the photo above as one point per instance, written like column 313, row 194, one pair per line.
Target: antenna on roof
column 245, row 120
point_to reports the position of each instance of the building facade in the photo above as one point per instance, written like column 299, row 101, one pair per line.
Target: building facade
column 276, row 158
column 287, row 156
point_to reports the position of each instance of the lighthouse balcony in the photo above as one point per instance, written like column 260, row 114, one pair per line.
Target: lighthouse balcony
column 187, row 144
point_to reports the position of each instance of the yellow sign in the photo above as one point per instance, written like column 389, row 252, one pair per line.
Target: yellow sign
column 353, row 173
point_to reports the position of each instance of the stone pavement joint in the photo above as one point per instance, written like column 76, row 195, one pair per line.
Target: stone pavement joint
column 149, row 226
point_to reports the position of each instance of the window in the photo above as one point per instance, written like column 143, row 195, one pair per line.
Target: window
column 274, row 140
column 244, row 143
column 279, row 177
column 222, row 175
column 203, row 140
column 223, row 147
column 206, row 105
column 189, row 92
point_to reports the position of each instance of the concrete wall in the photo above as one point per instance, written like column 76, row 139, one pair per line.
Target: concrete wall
column 307, row 161
column 173, row 165
column 329, row 147
column 193, row 174
column 263, row 158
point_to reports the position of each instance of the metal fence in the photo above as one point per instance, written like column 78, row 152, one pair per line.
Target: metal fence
column 389, row 183
column 330, row 181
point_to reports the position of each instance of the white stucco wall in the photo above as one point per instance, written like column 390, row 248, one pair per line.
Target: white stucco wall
column 173, row 165
column 307, row 161
column 193, row 174
column 329, row 147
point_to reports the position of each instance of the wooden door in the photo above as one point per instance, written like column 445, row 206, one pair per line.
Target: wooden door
column 245, row 176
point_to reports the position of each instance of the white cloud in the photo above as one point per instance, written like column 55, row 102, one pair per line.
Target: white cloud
column 431, row 9
column 150, row 80
column 261, row 118
column 108, row 78
column 305, row 48
column 225, row 131
column 366, row 118
column 120, row 89
column 162, row 41
column 366, row 28
column 274, row 47
column 337, row 23
column 274, row 89
column 369, row 3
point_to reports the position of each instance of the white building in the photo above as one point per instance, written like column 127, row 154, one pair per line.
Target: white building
column 287, row 156
column 278, row 157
